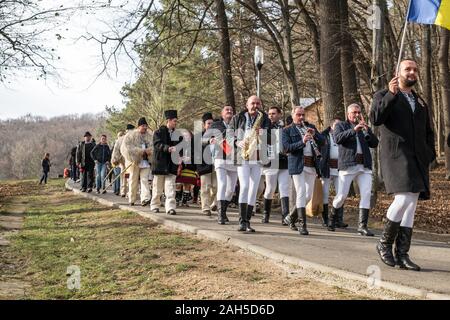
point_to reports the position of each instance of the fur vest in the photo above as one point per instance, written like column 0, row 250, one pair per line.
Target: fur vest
column 131, row 147
column 117, row 157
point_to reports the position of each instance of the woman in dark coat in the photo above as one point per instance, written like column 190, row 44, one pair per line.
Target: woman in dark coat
column 45, row 168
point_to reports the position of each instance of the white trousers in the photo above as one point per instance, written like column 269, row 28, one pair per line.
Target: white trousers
column 403, row 208
column 249, row 176
column 166, row 184
column 326, row 182
column 123, row 180
column 208, row 190
column 304, row 186
column 137, row 174
column 364, row 181
column 272, row 177
column 226, row 183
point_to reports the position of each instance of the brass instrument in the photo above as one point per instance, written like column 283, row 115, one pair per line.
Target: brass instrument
column 251, row 141
column 304, row 131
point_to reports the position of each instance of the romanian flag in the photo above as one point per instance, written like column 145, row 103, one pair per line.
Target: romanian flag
column 430, row 12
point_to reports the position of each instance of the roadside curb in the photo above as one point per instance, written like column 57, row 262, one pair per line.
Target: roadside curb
column 268, row 253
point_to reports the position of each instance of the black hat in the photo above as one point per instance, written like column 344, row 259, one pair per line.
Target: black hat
column 87, row 134
column 130, row 126
column 207, row 116
column 170, row 114
column 142, row 121
column 289, row 120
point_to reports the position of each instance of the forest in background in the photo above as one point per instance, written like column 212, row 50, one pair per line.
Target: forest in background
column 26, row 139
column 198, row 55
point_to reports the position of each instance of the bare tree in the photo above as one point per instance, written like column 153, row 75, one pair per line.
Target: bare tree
column 445, row 88
column 330, row 60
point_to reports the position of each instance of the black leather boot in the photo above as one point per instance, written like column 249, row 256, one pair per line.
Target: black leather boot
column 284, row 209
column 267, row 207
column 291, row 219
column 302, row 217
column 186, row 197
column 333, row 219
column 249, row 217
column 362, row 226
column 384, row 246
column 227, row 203
column 222, row 212
column 402, row 245
column 325, row 215
column 178, row 197
column 340, row 219
column 242, row 217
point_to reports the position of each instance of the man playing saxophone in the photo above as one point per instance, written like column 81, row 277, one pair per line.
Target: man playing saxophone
column 251, row 134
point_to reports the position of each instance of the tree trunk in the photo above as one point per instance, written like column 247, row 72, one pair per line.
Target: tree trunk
column 444, row 71
column 348, row 68
column 427, row 84
column 289, row 57
column 225, row 53
column 378, row 83
column 330, row 66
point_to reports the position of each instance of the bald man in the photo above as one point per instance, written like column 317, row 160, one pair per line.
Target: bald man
column 245, row 124
column 354, row 138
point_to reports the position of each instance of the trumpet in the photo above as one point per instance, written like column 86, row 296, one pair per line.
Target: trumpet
column 304, row 131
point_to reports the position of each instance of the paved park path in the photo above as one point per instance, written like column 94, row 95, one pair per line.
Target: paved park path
column 342, row 254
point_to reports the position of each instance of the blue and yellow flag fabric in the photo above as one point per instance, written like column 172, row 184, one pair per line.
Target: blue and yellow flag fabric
column 430, row 12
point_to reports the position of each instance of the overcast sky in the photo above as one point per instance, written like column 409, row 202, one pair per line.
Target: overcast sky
column 77, row 93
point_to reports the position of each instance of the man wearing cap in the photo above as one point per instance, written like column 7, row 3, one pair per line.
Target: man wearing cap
column 137, row 149
column 85, row 162
column 205, row 168
column 118, row 160
column 164, row 169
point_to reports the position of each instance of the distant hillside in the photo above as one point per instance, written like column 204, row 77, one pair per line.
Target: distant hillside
column 25, row 140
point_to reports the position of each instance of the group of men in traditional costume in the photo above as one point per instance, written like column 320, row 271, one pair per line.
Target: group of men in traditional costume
column 252, row 145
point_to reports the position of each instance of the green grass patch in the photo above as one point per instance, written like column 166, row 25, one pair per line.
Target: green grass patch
column 117, row 252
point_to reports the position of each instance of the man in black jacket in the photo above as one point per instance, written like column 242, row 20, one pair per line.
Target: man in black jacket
column 205, row 168
column 224, row 167
column 354, row 138
column 101, row 154
column 301, row 141
column 85, row 162
column 164, row 169
column 329, row 173
column 277, row 170
column 407, row 149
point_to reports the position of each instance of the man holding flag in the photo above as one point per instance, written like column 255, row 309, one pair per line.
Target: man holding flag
column 406, row 150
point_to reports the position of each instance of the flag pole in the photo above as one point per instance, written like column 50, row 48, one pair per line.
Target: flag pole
column 400, row 54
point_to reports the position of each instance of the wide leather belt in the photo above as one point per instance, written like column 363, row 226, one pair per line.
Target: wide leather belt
column 333, row 163
column 309, row 161
column 359, row 158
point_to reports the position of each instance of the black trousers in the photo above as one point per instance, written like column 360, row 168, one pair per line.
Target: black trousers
column 87, row 178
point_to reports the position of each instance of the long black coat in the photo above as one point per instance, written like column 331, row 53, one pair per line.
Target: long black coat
column 162, row 162
column 203, row 161
column 407, row 142
column 325, row 150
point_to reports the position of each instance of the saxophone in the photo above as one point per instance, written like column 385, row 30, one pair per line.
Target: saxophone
column 251, row 141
